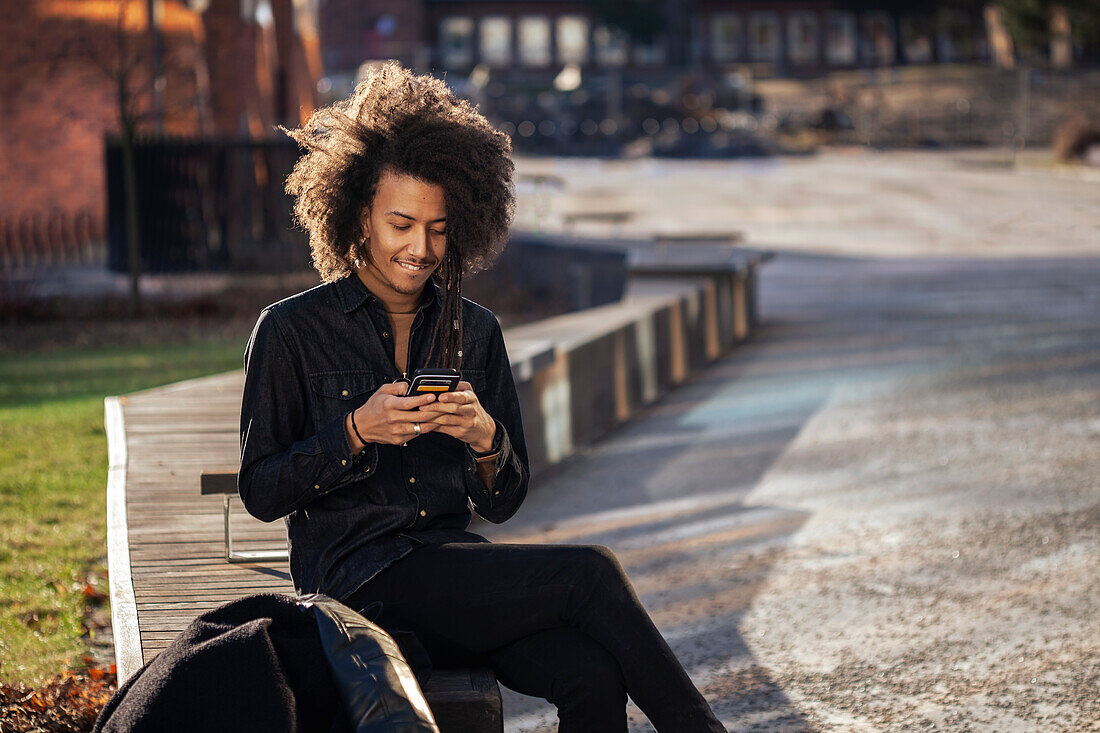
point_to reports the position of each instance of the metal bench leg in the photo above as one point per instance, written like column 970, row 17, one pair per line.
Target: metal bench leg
column 246, row 555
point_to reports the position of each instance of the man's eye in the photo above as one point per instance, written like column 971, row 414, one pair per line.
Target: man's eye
column 400, row 227
column 436, row 231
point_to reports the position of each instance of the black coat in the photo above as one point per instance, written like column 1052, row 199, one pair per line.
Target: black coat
column 273, row 663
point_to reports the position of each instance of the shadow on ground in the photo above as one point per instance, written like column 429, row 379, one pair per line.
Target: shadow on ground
column 668, row 492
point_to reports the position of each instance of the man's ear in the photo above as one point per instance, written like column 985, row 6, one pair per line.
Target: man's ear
column 364, row 221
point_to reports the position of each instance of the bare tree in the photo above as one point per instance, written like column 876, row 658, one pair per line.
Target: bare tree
column 124, row 57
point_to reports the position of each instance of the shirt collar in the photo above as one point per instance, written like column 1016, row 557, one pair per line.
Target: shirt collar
column 353, row 293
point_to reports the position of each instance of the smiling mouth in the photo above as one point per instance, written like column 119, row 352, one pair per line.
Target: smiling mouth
column 413, row 266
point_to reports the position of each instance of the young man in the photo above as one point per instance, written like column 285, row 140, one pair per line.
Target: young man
column 403, row 189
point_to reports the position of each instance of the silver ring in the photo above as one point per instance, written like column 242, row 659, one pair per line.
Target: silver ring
column 416, row 428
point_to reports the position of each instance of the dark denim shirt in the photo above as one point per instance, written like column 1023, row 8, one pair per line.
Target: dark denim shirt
column 311, row 359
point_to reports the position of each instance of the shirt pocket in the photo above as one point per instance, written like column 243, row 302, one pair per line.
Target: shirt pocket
column 337, row 393
column 477, row 380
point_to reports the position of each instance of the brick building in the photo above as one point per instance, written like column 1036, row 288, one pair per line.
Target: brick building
column 228, row 68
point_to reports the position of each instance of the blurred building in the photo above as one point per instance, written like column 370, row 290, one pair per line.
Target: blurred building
column 523, row 39
column 189, row 68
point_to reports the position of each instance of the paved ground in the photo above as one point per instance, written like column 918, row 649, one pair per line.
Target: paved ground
column 855, row 202
column 882, row 514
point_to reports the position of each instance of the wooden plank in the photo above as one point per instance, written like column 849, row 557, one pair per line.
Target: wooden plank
column 210, row 577
column 153, row 563
column 221, row 595
column 216, row 597
column 173, row 591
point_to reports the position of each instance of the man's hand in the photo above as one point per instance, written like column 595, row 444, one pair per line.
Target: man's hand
column 388, row 417
column 460, row 415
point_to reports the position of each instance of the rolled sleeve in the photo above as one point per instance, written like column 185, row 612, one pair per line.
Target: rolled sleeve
column 500, row 501
column 333, row 439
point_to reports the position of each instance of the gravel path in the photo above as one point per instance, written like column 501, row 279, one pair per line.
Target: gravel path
column 881, row 514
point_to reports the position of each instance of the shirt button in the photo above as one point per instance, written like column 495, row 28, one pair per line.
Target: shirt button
column 496, row 493
column 316, row 486
column 423, row 513
column 343, row 461
column 343, row 393
column 412, row 480
column 385, row 334
column 366, row 470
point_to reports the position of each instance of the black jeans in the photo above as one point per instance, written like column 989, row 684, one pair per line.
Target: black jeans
column 560, row 622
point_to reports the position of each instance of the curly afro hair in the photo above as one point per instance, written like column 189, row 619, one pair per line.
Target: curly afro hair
column 414, row 125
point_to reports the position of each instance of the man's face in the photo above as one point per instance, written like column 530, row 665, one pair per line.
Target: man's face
column 405, row 232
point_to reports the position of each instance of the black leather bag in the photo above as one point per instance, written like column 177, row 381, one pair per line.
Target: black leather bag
column 378, row 687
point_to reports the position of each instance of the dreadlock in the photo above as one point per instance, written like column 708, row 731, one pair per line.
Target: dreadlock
column 413, row 125
column 447, row 337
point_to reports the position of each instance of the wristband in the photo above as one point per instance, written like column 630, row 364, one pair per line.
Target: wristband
column 355, row 428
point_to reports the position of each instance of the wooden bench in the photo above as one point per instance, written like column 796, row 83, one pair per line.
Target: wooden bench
column 462, row 700
column 225, row 484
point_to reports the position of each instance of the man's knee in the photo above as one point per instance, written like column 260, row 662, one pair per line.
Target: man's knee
column 598, row 561
column 596, row 577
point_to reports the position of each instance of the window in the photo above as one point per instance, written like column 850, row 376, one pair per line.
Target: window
column 572, row 39
column 534, row 40
column 764, row 36
column 802, row 38
column 610, row 46
column 916, row 38
column 725, row 37
column 956, row 40
column 878, row 30
column 456, row 41
column 264, row 16
column 840, row 38
column 496, row 40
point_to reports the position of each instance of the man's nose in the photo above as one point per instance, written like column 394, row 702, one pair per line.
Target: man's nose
column 418, row 244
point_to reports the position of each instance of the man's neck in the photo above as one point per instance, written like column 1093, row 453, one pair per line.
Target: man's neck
column 392, row 300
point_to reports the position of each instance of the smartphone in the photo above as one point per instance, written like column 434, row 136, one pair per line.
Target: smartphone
column 433, row 381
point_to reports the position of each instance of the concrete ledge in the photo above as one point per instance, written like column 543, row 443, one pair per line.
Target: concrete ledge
column 124, row 621
column 683, row 309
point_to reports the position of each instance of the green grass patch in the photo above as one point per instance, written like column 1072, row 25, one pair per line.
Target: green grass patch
column 53, row 476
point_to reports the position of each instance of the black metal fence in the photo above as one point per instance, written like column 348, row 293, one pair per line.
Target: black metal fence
column 34, row 239
column 210, row 204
